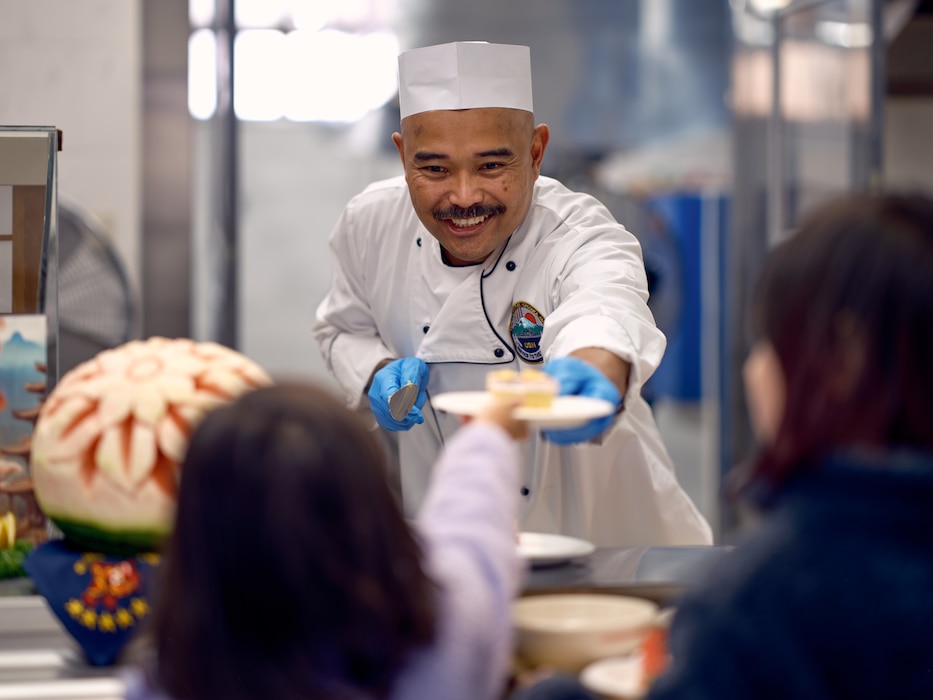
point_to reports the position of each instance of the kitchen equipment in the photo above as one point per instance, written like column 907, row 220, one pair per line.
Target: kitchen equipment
column 97, row 304
column 569, row 631
column 544, row 549
column 564, row 412
column 401, row 401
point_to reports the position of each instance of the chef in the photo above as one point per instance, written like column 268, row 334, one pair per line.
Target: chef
column 472, row 261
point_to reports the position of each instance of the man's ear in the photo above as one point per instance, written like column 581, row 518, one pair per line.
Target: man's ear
column 539, row 139
column 397, row 140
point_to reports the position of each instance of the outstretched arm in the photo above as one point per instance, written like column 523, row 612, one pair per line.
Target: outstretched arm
column 614, row 367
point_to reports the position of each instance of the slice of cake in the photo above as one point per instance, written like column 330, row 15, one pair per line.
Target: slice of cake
column 537, row 389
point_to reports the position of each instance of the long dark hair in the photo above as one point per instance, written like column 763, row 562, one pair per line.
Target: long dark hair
column 291, row 571
column 847, row 304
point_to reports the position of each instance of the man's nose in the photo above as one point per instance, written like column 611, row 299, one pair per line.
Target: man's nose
column 465, row 191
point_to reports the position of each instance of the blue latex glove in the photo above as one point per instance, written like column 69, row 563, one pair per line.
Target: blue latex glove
column 579, row 378
column 390, row 379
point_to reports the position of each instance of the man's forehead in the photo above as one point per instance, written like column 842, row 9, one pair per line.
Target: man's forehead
column 501, row 118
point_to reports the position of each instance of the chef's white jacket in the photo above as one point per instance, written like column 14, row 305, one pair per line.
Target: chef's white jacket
column 581, row 276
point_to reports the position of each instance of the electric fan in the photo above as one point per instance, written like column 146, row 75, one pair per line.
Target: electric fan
column 96, row 305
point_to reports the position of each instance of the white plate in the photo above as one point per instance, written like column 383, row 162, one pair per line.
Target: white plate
column 541, row 548
column 564, row 412
column 618, row 677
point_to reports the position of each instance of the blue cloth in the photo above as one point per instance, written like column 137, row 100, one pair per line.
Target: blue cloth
column 100, row 599
column 579, row 378
column 831, row 597
column 390, row 379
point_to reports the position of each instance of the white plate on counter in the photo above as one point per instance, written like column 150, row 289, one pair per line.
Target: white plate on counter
column 618, row 678
column 543, row 549
column 565, row 412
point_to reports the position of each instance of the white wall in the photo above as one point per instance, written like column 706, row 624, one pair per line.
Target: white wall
column 294, row 181
column 75, row 65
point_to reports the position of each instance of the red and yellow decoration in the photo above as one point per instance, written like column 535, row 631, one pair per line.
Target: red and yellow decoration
column 114, row 598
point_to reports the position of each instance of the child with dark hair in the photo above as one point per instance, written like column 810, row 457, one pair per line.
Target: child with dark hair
column 830, row 597
column 292, row 573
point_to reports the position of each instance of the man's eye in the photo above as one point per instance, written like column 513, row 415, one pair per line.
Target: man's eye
column 434, row 168
column 490, row 166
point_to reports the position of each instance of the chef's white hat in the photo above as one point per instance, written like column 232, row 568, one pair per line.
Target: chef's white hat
column 464, row 75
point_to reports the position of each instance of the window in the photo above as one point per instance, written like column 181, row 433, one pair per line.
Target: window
column 301, row 60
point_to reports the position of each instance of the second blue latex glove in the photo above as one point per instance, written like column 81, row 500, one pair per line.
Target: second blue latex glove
column 579, row 378
column 390, row 379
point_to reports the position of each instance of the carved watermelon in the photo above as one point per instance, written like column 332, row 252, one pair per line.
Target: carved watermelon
column 110, row 437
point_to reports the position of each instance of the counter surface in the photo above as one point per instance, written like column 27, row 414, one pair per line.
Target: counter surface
column 658, row 573
column 39, row 660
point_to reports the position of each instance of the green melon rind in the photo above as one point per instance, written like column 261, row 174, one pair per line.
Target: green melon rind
column 93, row 538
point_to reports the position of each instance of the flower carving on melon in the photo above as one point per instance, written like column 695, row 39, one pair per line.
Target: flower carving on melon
column 110, row 438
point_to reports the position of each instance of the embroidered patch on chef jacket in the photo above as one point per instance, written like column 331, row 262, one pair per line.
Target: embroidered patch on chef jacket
column 526, row 325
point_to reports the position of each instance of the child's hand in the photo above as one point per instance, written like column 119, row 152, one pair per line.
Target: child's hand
column 501, row 412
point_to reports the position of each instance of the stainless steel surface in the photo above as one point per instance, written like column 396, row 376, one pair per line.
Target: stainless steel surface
column 607, row 74
column 660, row 574
column 166, row 247
column 73, row 689
column 808, row 110
column 40, row 660
column 401, row 401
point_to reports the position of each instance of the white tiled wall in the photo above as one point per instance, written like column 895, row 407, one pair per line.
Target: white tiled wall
column 76, row 65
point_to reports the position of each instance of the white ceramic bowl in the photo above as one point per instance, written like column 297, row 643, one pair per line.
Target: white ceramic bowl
column 569, row 631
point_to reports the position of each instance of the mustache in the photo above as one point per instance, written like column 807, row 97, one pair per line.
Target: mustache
column 469, row 212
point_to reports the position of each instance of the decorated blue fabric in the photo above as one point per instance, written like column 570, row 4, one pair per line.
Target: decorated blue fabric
column 101, row 599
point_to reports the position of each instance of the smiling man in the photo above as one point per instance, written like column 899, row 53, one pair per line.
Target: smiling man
column 472, row 262
column 471, row 175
